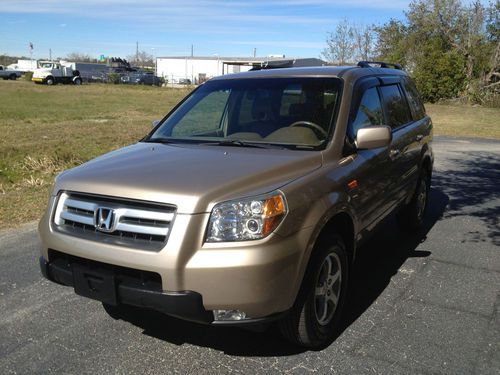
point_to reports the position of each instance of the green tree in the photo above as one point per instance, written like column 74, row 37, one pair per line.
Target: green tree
column 392, row 40
column 451, row 47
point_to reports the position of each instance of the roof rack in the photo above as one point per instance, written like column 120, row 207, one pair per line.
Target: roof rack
column 368, row 64
column 273, row 65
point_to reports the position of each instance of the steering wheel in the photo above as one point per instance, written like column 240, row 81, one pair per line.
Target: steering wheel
column 312, row 125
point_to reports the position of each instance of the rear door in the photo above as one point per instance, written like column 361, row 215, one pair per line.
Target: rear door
column 403, row 152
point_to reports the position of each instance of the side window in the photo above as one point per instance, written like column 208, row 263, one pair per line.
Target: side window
column 416, row 106
column 369, row 113
column 293, row 97
column 397, row 110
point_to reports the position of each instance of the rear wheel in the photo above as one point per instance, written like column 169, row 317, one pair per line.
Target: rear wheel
column 412, row 216
column 13, row 77
column 316, row 312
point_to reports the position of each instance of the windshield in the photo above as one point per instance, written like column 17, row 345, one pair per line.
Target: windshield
column 284, row 111
column 46, row 65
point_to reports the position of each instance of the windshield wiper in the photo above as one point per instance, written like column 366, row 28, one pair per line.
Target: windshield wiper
column 240, row 143
column 157, row 140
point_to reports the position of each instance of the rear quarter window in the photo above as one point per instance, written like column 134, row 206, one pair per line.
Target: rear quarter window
column 416, row 105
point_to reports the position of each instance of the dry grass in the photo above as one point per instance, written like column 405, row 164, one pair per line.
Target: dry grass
column 465, row 121
column 44, row 130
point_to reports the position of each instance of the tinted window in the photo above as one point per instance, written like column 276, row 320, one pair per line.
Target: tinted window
column 416, row 106
column 289, row 111
column 369, row 112
column 397, row 111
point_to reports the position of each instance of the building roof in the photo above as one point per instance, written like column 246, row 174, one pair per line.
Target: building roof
column 251, row 60
column 259, row 59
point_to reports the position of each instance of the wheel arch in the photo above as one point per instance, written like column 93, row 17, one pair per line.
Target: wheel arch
column 341, row 224
column 426, row 160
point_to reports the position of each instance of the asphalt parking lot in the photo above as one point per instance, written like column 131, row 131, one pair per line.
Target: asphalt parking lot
column 421, row 304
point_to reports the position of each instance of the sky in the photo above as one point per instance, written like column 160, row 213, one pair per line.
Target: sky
column 295, row 28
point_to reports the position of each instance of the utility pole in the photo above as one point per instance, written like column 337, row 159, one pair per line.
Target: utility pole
column 192, row 50
column 136, row 52
column 31, row 55
column 50, row 54
column 254, row 52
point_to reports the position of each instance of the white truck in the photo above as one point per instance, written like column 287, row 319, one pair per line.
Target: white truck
column 50, row 73
column 8, row 73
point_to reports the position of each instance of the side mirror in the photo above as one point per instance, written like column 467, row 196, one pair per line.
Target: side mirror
column 154, row 123
column 373, row 137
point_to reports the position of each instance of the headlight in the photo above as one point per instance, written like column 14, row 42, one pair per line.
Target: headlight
column 246, row 219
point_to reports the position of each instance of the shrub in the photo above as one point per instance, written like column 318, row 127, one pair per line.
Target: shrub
column 114, row 78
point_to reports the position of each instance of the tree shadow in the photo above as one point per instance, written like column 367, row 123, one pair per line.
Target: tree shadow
column 473, row 186
column 377, row 262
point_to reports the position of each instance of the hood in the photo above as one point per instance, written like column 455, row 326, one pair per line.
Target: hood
column 192, row 177
column 41, row 72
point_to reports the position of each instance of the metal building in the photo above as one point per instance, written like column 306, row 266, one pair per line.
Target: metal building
column 197, row 69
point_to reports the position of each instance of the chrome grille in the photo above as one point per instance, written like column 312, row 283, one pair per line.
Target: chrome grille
column 137, row 224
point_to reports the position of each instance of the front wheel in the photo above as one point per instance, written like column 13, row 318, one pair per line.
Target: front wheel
column 50, row 81
column 312, row 321
column 13, row 77
column 77, row 81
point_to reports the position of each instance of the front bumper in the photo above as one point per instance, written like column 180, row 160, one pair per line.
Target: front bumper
column 36, row 79
column 260, row 278
column 127, row 289
column 134, row 287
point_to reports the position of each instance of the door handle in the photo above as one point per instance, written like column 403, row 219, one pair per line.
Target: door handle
column 419, row 137
column 394, row 153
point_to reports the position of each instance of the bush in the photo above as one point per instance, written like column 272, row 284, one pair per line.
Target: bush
column 28, row 76
column 439, row 75
column 114, row 78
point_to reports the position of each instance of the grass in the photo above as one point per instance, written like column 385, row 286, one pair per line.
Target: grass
column 465, row 121
column 44, row 130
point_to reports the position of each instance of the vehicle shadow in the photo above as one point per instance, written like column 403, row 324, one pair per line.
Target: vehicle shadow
column 383, row 255
column 376, row 263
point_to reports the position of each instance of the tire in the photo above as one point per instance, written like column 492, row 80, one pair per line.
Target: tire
column 412, row 215
column 50, row 81
column 313, row 319
column 77, row 81
column 13, row 77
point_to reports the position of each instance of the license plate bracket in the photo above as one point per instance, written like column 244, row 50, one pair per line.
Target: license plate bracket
column 98, row 284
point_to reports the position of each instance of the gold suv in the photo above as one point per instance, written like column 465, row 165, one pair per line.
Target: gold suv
column 246, row 203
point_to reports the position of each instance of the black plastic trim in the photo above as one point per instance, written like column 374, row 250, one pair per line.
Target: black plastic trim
column 186, row 305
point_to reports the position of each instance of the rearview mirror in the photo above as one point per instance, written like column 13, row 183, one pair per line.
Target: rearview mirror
column 373, row 137
column 154, row 123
